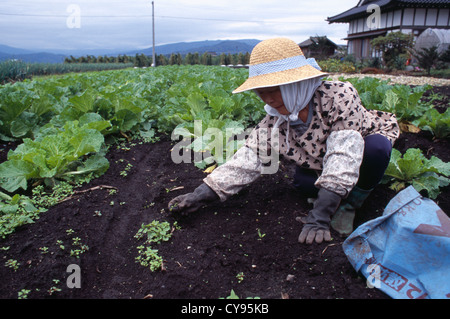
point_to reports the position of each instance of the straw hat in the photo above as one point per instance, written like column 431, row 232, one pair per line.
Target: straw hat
column 277, row 62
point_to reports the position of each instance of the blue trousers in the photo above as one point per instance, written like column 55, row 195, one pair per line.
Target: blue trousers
column 377, row 153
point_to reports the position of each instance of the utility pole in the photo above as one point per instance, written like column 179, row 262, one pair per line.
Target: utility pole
column 153, row 23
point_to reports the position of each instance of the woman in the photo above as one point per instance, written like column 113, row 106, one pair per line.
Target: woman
column 341, row 149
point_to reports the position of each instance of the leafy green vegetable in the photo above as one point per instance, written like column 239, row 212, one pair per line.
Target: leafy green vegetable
column 413, row 168
column 14, row 174
column 16, row 211
column 436, row 123
column 14, row 100
column 24, row 124
column 155, row 232
column 56, row 155
column 402, row 100
column 409, row 106
column 212, row 139
column 84, row 102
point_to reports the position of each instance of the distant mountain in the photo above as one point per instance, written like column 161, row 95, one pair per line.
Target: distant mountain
column 217, row 46
column 39, row 57
column 10, row 53
column 10, row 50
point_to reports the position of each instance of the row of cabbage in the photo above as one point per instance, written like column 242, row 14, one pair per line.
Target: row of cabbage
column 67, row 122
column 427, row 174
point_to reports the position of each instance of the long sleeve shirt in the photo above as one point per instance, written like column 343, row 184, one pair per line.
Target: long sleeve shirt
column 333, row 143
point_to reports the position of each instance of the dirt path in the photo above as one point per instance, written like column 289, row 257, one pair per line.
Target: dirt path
column 397, row 79
column 253, row 234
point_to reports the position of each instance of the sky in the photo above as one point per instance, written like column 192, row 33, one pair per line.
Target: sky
column 127, row 24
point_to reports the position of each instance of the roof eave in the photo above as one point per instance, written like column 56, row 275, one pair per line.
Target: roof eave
column 357, row 12
column 360, row 12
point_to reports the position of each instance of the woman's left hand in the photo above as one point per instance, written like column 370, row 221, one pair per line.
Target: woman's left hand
column 317, row 224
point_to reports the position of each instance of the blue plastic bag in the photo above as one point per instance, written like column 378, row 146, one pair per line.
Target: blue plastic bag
column 406, row 252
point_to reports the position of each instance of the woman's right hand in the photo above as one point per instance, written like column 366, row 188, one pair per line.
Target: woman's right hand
column 191, row 202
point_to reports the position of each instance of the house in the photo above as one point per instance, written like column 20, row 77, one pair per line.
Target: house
column 318, row 47
column 372, row 18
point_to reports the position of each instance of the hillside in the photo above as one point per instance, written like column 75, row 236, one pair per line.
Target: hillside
column 10, row 53
column 217, row 46
column 39, row 57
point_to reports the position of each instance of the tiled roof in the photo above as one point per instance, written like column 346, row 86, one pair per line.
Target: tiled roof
column 314, row 40
column 360, row 9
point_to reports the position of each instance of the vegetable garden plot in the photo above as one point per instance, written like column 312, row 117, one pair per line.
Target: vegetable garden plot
column 248, row 244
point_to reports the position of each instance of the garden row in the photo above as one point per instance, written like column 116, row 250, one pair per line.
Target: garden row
column 64, row 125
column 11, row 71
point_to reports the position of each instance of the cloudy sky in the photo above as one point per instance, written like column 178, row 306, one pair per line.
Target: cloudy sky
column 118, row 24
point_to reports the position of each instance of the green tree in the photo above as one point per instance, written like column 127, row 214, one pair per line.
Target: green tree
column 196, row 58
column 141, row 60
column 188, row 59
column 223, row 59
column 173, row 59
column 427, row 58
column 393, row 46
column 206, row 59
column 241, row 58
column 162, row 60
column 247, row 58
column 445, row 56
column 233, row 58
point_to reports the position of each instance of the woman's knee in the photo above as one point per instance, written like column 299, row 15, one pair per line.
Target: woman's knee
column 377, row 149
column 304, row 180
column 377, row 154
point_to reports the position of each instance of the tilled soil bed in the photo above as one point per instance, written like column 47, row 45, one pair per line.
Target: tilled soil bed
column 247, row 244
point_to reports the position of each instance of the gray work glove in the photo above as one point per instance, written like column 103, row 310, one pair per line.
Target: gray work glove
column 317, row 223
column 191, row 202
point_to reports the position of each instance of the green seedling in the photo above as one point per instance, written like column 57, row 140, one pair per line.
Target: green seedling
column 13, row 264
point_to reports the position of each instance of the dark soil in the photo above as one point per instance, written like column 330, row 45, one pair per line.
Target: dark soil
column 204, row 256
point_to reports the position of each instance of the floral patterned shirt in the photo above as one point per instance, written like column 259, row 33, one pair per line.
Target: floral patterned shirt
column 336, row 106
column 333, row 143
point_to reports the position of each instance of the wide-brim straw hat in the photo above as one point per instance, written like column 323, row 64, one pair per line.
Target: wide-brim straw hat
column 277, row 62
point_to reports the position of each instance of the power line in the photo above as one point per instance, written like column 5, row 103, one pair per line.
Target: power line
column 158, row 16
column 66, row 15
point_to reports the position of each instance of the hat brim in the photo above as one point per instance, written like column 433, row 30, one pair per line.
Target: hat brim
column 280, row 78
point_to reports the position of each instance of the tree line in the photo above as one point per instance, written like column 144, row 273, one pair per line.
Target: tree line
column 142, row 60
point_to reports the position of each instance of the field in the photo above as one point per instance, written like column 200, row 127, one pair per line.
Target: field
column 247, row 245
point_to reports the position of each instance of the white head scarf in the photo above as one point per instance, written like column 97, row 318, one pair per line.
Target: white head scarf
column 296, row 96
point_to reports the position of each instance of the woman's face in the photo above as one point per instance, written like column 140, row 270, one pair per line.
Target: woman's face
column 272, row 96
